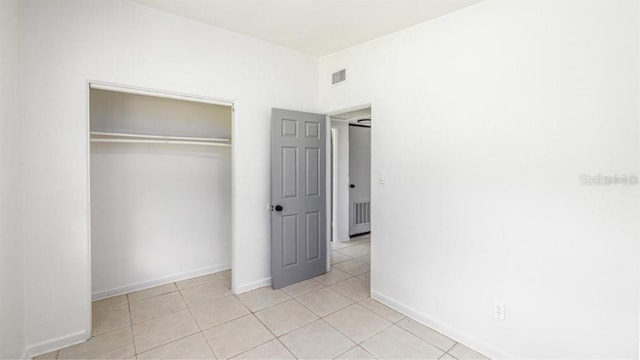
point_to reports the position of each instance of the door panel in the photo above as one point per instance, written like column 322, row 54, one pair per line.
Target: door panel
column 289, row 240
column 298, row 234
column 313, row 172
column 289, row 172
column 360, row 180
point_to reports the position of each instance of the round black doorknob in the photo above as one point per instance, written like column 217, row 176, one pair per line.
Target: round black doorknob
column 352, row 186
column 279, row 208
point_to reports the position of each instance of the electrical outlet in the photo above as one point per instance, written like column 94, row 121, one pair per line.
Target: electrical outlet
column 498, row 309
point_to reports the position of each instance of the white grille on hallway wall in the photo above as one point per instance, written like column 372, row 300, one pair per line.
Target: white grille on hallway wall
column 361, row 212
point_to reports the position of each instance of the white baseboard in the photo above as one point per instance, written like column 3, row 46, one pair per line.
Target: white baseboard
column 55, row 344
column 253, row 285
column 156, row 282
column 473, row 343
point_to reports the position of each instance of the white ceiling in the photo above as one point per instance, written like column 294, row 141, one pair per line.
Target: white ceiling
column 317, row 27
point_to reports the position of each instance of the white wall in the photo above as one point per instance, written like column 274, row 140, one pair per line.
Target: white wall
column 158, row 212
column 341, row 204
column 69, row 42
column 11, row 247
column 484, row 120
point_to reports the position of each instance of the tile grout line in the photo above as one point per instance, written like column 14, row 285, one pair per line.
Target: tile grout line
column 428, row 342
column 376, row 333
column 331, row 313
column 265, row 325
column 196, row 322
column 269, row 330
column 294, row 298
column 347, row 351
column 226, row 321
column 193, row 317
column 133, row 336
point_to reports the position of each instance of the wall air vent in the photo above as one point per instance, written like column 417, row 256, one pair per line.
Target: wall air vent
column 339, row 76
column 361, row 212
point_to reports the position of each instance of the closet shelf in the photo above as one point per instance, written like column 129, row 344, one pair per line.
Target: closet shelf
column 112, row 137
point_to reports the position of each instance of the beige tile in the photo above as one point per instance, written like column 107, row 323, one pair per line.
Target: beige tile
column 356, row 353
column 337, row 244
column 324, row 301
column 381, row 309
column 110, row 315
column 151, row 292
column 427, row 334
column 364, row 240
column 286, row 316
column 237, row 336
column 271, row 350
column 199, row 294
column 163, row 330
column 396, row 343
column 48, row 356
column 353, row 288
column 447, row 357
column 366, row 277
column 365, row 259
column 332, row 276
column 357, row 322
column 355, row 251
column 262, row 298
column 218, row 311
column 303, row 287
column 337, row 257
column 462, row 352
column 116, row 344
column 317, row 340
column 156, row 306
column 191, row 347
column 196, row 281
column 353, row 267
column 225, row 276
column 114, row 300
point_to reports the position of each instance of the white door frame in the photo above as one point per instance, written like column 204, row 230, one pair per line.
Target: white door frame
column 94, row 84
column 329, row 171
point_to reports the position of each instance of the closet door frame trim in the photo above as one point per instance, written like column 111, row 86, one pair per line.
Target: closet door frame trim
column 101, row 85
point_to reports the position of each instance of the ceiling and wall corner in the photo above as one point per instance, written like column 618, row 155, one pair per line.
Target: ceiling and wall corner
column 314, row 27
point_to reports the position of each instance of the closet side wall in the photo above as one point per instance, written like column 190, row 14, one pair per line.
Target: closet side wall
column 160, row 212
column 11, row 241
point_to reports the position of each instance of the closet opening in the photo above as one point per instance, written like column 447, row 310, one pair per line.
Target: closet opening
column 160, row 203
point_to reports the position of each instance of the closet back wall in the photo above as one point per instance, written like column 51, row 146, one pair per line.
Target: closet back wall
column 159, row 212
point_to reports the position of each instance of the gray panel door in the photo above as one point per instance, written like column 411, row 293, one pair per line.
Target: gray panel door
column 359, row 179
column 298, row 197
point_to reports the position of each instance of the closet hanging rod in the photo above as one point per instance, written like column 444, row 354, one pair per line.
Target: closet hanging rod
column 142, row 141
column 158, row 137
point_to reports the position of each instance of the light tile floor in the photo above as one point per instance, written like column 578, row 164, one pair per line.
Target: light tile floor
column 330, row 316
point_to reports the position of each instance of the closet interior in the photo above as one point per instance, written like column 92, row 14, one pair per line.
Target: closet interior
column 160, row 190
